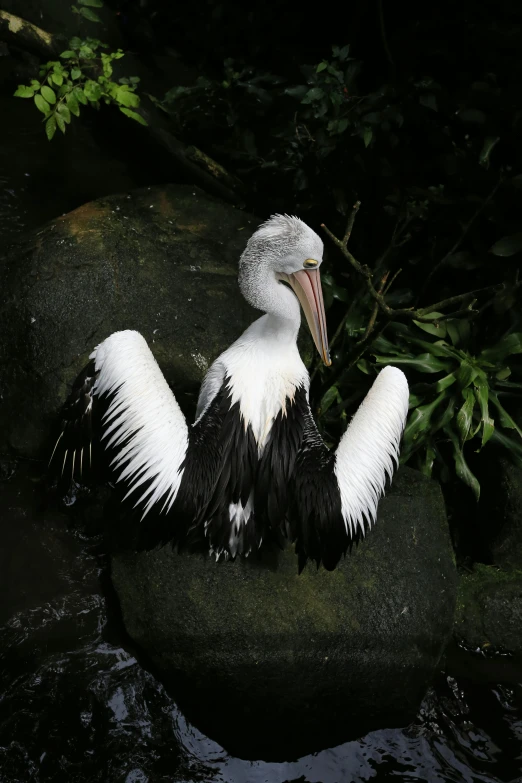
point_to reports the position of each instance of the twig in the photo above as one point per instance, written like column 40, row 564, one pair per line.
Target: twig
column 373, row 317
column 459, row 298
column 392, row 281
column 349, row 225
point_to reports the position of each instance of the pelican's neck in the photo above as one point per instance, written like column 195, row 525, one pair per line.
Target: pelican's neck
column 263, row 291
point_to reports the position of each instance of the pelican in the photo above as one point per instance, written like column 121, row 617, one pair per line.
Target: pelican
column 253, row 460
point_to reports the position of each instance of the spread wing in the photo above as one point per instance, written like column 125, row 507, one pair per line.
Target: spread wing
column 122, row 405
column 335, row 494
column 179, row 480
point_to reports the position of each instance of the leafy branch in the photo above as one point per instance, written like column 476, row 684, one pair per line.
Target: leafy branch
column 82, row 76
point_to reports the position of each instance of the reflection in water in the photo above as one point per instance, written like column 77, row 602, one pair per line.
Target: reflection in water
column 75, row 703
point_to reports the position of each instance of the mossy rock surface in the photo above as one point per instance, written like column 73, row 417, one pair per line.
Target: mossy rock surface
column 489, row 610
column 160, row 260
column 267, row 661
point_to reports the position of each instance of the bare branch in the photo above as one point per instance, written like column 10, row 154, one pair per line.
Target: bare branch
column 373, row 317
column 25, row 35
column 349, row 225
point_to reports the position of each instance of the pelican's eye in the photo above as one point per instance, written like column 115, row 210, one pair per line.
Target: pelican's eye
column 310, row 263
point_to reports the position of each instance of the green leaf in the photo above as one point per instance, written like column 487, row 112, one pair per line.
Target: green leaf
column 50, row 127
column 507, row 246
column 75, row 42
column 332, row 395
column 367, row 136
column 92, row 90
column 465, row 415
column 294, row 92
column 57, row 78
column 439, row 330
column 80, row 95
column 90, row 15
column 502, row 374
column 68, row 54
column 482, row 393
column 506, row 347
column 487, row 148
column 458, row 330
column 72, row 103
column 24, row 92
column 514, row 446
column 424, row 362
column 504, row 417
column 92, row 3
column 86, row 52
column 364, row 366
column 64, row 112
column 76, row 73
column 41, row 104
column 342, row 125
column 447, row 415
column 48, row 94
column 445, row 382
column 133, row 115
column 426, row 465
column 314, row 94
column 419, row 423
column 127, row 98
column 461, row 466
column 466, row 374
column 321, row 67
column 415, row 400
column 60, row 122
column 438, row 348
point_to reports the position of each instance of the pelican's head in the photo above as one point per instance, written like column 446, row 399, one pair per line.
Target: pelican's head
column 286, row 250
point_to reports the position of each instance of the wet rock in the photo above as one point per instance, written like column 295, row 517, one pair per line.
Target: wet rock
column 269, row 662
column 507, row 541
column 160, row 260
column 67, row 687
column 489, row 610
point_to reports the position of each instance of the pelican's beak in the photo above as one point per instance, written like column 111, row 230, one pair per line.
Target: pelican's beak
column 306, row 284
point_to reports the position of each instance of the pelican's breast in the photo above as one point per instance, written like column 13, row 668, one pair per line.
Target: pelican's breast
column 264, row 376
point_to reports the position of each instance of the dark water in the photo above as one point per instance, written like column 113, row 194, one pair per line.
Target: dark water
column 75, row 702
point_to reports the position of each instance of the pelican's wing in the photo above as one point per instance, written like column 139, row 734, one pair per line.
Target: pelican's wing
column 335, row 494
column 141, row 426
column 72, row 455
column 179, row 479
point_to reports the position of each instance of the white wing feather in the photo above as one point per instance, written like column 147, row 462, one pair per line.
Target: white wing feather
column 143, row 415
column 370, row 446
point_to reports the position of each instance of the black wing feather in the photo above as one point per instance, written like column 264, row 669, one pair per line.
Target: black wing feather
column 315, row 520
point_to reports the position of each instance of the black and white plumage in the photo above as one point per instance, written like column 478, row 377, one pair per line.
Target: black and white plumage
column 253, row 463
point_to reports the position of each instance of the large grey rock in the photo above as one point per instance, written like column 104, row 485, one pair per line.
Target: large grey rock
column 489, row 610
column 260, row 657
column 159, row 260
